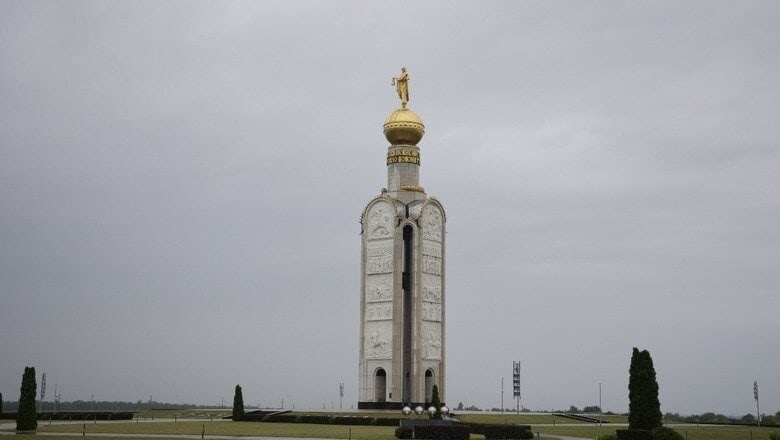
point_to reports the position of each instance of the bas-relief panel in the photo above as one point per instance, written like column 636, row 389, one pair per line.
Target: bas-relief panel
column 379, row 311
column 431, row 265
column 379, row 256
column 380, row 221
column 378, row 340
column 431, row 287
column 431, row 248
column 379, row 287
column 432, row 223
column 431, row 340
column 431, row 311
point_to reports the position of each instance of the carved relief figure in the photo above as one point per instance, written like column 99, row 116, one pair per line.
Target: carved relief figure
column 379, row 257
column 431, row 336
column 431, row 248
column 431, row 311
column 432, row 223
column 379, row 288
column 431, row 265
column 379, row 221
column 379, row 311
column 431, row 288
column 378, row 345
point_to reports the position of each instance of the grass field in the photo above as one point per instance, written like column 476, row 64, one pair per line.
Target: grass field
column 365, row 432
column 530, row 419
column 231, row 428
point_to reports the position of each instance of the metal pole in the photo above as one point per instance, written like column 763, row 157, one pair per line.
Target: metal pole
column 601, row 410
column 502, row 398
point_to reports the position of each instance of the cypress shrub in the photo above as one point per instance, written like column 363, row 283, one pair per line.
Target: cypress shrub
column 664, row 433
column 633, row 434
column 454, row 432
column 238, row 405
column 643, row 405
column 26, row 416
column 653, row 417
column 435, row 402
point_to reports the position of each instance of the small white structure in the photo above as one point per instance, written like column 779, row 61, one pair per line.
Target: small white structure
column 402, row 280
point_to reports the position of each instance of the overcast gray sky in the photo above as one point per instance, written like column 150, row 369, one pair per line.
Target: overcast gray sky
column 181, row 184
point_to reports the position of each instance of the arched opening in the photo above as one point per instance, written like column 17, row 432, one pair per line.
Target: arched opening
column 428, row 385
column 380, row 385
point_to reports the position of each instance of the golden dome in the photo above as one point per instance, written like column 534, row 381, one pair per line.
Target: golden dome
column 404, row 127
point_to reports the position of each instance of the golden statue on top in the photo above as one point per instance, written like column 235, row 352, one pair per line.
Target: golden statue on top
column 401, row 84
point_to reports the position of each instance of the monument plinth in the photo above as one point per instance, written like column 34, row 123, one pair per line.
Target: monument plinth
column 402, row 276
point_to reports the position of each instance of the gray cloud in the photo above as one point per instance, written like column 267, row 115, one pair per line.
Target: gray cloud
column 181, row 182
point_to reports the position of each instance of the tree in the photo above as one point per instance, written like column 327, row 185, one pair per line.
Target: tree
column 26, row 418
column 459, row 408
column 1, row 403
column 573, row 410
column 435, row 402
column 643, row 405
column 238, row 405
column 748, row 418
column 592, row 409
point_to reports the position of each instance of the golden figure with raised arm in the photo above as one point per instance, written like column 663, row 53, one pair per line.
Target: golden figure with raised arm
column 401, row 84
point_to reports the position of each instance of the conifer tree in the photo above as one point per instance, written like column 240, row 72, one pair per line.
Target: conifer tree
column 26, row 418
column 653, row 416
column 644, row 409
column 1, row 403
column 238, row 405
column 436, row 402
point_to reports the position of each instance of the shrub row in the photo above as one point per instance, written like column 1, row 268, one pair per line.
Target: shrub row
column 454, row 432
column 507, row 432
column 325, row 420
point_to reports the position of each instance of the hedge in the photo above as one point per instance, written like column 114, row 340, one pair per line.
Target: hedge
column 633, row 434
column 507, row 432
column 454, row 432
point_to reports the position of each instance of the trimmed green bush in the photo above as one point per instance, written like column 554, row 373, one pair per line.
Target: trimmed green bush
column 403, row 432
column 664, row 433
column 507, row 432
column 26, row 416
column 774, row 436
column 354, row 421
column 607, row 437
column 633, row 434
column 435, row 432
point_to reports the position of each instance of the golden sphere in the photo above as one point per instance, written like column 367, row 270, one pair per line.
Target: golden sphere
column 404, row 127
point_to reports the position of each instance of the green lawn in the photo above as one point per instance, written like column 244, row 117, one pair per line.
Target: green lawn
column 230, row 428
column 694, row 432
column 530, row 419
column 368, row 432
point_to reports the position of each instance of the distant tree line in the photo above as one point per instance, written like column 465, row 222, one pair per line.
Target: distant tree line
column 105, row 405
column 710, row 417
